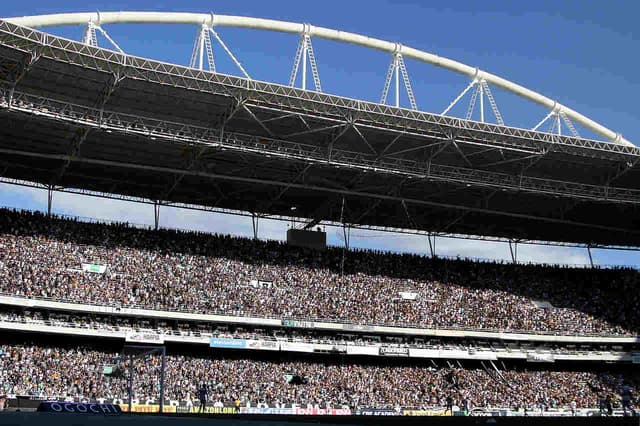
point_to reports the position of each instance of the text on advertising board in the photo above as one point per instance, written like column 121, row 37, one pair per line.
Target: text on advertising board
column 220, row 342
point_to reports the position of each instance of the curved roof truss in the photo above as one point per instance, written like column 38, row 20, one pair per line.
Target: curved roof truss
column 211, row 20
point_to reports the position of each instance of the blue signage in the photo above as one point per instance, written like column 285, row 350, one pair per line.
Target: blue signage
column 78, row 408
column 221, row 342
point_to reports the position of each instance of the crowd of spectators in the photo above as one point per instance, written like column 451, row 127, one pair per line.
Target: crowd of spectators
column 171, row 329
column 77, row 372
column 204, row 273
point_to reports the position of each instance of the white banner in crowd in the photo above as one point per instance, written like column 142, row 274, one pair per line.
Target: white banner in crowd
column 263, row 345
column 452, row 354
column 261, row 284
column 537, row 357
column 363, row 350
column 296, row 347
column 144, row 337
column 94, row 268
column 408, row 295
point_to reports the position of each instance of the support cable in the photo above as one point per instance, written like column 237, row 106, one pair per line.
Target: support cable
column 544, row 120
column 109, row 39
column 90, row 37
column 460, row 96
column 231, row 55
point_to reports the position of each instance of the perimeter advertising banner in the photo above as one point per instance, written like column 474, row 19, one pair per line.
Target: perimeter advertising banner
column 222, row 342
column 207, row 410
column 426, row 413
column 264, row 345
column 357, row 327
column 538, row 357
column 266, row 410
column 394, row 351
column 363, row 350
column 144, row 337
column 296, row 347
column 322, row 411
column 377, row 412
column 147, row 408
column 298, row 324
column 78, row 407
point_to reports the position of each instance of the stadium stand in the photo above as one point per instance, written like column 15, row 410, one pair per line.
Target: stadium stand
column 194, row 332
column 76, row 373
column 43, row 257
column 52, row 258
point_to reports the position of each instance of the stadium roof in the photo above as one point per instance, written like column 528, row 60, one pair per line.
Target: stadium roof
column 78, row 116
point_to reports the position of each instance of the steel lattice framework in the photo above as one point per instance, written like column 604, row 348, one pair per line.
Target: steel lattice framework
column 75, row 115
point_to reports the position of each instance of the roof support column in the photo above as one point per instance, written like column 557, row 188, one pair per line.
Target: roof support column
column 346, row 234
column 513, row 249
column 49, row 199
column 432, row 245
column 590, row 256
column 156, row 214
column 255, row 222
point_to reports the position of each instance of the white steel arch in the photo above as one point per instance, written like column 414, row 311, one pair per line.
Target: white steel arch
column 210, row 19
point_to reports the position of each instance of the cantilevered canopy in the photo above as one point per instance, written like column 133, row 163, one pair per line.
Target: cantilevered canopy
column 78, row 116
column 212, row 20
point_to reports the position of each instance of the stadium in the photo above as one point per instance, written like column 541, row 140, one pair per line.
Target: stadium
column 187, row 325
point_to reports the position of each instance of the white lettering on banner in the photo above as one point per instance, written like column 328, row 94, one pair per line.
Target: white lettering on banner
column 296, row 347
column 452, row 354
column 394, row 351
column 300, row 324
column 266, row 410
column 144, row 337
column 323, row 411
column 408, row 295
column 363, row 350
column 536, row 357
column 266, row 345
column 327, row 347
column 261, row 284
column 94, row 268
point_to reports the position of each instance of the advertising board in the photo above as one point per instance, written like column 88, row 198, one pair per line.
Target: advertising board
column 223, row 342
column 144, row 337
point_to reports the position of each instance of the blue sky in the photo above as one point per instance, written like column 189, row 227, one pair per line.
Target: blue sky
column 582, row 53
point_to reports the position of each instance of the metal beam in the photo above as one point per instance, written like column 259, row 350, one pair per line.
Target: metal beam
column 221, row 123
column 81, row 134
column 383, row 116
column 257, row 181
column 393, row 230
column 82, row 116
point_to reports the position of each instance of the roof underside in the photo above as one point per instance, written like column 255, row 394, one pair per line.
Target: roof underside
column 78, row 118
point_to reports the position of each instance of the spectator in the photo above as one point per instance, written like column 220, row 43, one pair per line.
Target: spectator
column 195, row 272
column 202, row 392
